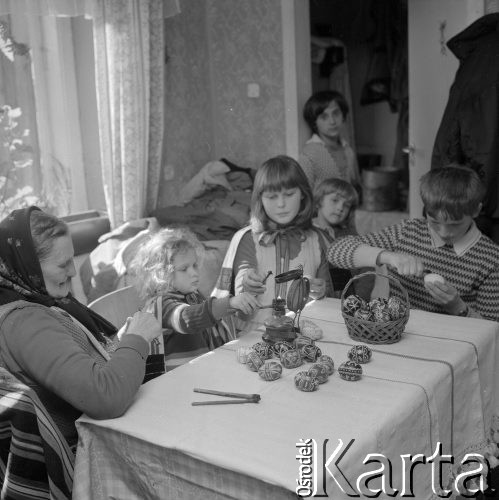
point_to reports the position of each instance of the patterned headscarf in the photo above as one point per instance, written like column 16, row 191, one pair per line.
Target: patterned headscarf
column 21, row 276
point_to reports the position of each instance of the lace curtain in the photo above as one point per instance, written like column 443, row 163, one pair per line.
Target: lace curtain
column 129, row 52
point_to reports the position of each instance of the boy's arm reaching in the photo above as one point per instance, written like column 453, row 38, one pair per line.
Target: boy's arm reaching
column 374, row 249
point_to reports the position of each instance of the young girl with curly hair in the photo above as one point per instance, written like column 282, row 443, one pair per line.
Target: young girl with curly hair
column 167, row 278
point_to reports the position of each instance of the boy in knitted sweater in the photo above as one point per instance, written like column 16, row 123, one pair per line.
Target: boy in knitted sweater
column 447, row 242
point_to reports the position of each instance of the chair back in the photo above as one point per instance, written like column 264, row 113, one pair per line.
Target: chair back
column 116, row 306
column 35, row 459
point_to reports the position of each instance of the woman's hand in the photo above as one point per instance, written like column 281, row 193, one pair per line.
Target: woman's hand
column 143, row 324
column 253, row 282
column 404, row 263
column 244, row 302
column 447, row 296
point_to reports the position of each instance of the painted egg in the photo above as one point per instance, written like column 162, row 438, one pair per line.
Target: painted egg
column 320, row 371
column 353, row 303
column 302, row 340
column 264, row 350
column 310, row 329
column 396, row 307
column 270, row 370
column 280, row 347
column 363, row 314
column 350, row 370
column 360, row 354
column 291, row 358
column 434, row 278
column 242, row 353
column 305, row 382
column 254, row 361
column 327, row 360
column 378, row 302
column 381, row 314
column 310, row 352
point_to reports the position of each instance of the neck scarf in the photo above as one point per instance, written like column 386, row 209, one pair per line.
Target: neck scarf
column 21, row 276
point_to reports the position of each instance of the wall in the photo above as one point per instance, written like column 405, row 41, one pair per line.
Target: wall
column 216, row 48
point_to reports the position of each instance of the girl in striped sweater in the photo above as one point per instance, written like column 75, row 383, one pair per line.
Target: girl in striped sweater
column 167, row 278
column 447, row 242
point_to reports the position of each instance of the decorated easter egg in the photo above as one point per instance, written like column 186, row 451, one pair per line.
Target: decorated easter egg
column 328, row 360
column 291, row 358
column 360, row 354
column 306, row 382
column 302, row 340
column 264, row 350
column 350, row 370
column 320, row 371
column 270, row 370
column 378, row 302
column 381, row 313
column 310, row 329
column 396, row 307
column 310, row 352
column 282, row 346
column 353, row 303
column 434, row 278
column 254, row 361
column 364, row 314
column 242, row 353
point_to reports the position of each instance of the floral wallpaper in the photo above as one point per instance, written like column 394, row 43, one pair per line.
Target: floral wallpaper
column 216, row 48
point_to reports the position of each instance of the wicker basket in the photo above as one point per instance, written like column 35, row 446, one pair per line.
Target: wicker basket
column 375, row 332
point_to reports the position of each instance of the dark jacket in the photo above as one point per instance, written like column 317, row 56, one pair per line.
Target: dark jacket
column 469, row 131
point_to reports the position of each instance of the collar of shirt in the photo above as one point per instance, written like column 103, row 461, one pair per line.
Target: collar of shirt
column 462, row 245
column 327, row 228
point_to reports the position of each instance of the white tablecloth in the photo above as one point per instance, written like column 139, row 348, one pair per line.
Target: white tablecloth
column 436, row 385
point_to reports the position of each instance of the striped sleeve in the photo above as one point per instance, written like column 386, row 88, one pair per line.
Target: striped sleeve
column 245, row 259
column 188, row 319
column 344, row 252
column 487, row 300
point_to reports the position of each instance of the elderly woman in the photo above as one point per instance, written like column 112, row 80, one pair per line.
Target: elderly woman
column 53, row 343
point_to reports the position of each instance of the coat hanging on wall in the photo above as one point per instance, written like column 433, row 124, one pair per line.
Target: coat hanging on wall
column 469, row 131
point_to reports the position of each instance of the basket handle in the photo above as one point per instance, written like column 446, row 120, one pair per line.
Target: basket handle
column 374, row 273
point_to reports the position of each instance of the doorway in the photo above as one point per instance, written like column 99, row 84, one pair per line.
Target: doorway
column 359, row 48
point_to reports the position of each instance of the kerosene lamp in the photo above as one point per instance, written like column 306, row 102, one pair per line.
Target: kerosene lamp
column 279, row 327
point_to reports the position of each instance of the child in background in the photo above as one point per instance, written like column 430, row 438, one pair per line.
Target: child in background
column 167, row 278
column 335, row 202
column 327, row 154
column 447, row 242
column 280, row 237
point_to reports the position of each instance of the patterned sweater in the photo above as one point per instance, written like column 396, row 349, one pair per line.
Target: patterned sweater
column 191, row 327
column 475, row 274
column 320, row 163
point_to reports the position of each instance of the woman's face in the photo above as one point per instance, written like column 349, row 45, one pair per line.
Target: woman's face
column 58, row 267
column 282, row 206
column 330, row 122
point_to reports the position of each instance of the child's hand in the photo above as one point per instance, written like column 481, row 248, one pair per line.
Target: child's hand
column 446, row 295
column 404, row 263
column 244, row 302
column 253, row 282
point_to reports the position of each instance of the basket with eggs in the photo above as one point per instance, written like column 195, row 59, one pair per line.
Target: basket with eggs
column 378, row 320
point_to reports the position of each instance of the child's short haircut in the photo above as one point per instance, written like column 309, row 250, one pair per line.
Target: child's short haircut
column 152, row 267
column 318, row 102
column 451, row 192
column 335, row 185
